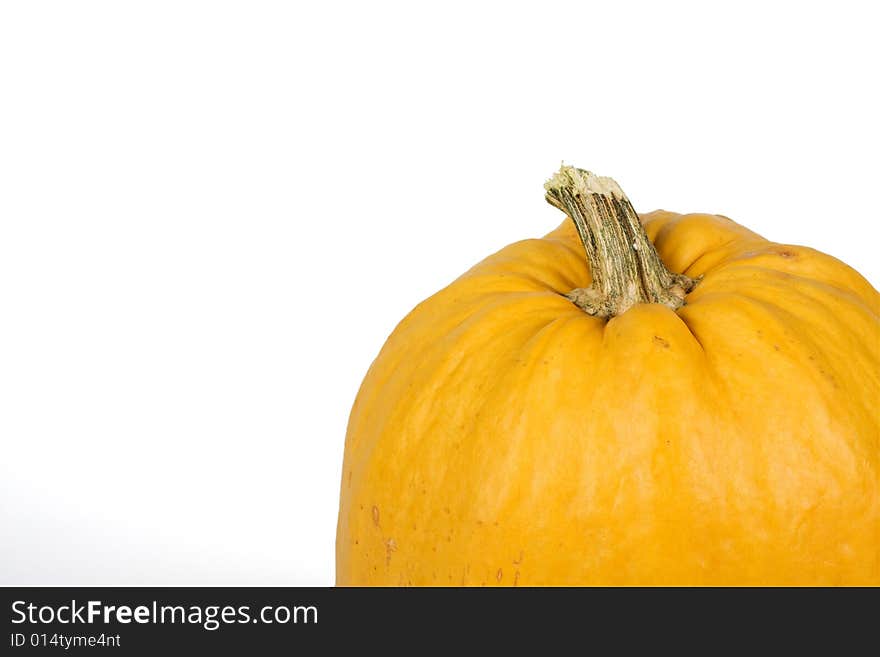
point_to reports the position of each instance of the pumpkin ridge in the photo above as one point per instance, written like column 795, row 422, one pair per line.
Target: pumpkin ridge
column 799, row 280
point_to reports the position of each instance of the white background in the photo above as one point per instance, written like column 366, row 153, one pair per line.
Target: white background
column 212, row 214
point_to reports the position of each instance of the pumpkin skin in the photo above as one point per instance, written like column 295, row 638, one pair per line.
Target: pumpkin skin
column 505, row 437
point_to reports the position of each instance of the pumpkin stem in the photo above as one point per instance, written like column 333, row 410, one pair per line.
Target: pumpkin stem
column 625, row 267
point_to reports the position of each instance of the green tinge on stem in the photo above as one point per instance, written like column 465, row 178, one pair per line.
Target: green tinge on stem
column 624, row 264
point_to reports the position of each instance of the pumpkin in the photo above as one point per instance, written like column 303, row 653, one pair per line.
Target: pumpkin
column 659, row 400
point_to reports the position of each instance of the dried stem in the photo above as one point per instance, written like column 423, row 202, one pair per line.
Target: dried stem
column 625, row 267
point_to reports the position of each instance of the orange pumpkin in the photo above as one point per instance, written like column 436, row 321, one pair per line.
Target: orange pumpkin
column 531, row 425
